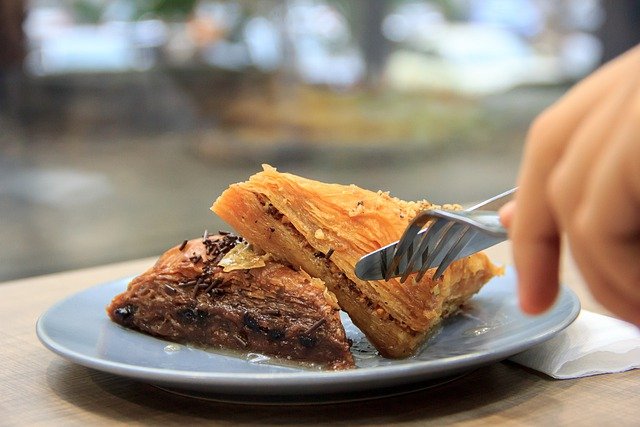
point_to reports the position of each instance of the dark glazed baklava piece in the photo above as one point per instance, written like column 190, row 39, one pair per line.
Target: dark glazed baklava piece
column 216, row 292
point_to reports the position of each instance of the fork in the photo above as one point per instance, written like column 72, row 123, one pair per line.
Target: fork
column 450, row 235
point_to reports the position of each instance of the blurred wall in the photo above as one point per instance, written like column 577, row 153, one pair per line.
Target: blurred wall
column 621, row 29
column 12, row 41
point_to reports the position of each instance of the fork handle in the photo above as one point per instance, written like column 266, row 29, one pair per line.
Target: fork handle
column 496, row 202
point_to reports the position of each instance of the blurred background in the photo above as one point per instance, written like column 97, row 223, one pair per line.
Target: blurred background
column 121, row 121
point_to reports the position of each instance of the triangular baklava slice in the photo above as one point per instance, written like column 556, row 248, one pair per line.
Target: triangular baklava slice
column 325, row 229
column 216, row 292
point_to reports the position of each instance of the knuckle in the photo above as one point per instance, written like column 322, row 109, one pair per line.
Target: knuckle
column 542, row 144
column 539, row 131
column 584, row 231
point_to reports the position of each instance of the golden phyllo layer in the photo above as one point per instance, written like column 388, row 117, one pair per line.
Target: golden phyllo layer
column 325, row 229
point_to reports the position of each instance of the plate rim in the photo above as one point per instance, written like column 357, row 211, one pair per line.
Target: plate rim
column 294, row 381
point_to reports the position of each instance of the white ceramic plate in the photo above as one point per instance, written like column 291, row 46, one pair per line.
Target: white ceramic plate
column 490, row 328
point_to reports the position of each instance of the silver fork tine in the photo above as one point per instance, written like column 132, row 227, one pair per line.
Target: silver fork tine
column 418, row 250
column 433, row 231
column 444, row 245
column 452, row 254
column 441, row 243
column 406, row 242
column 422, row 247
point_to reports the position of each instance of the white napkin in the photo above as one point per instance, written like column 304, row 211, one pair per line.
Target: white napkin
column 593, row 344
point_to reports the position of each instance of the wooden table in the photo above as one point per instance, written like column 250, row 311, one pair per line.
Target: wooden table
column 39, row 387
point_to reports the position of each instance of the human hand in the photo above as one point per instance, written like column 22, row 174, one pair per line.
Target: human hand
column 580, row 178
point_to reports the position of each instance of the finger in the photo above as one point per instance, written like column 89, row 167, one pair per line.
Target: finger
column 591, row 138
column 534, row 232
column 605, row 291
column 609, row 218
column 615, row 302
column 535, row 244
column 606, row 288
